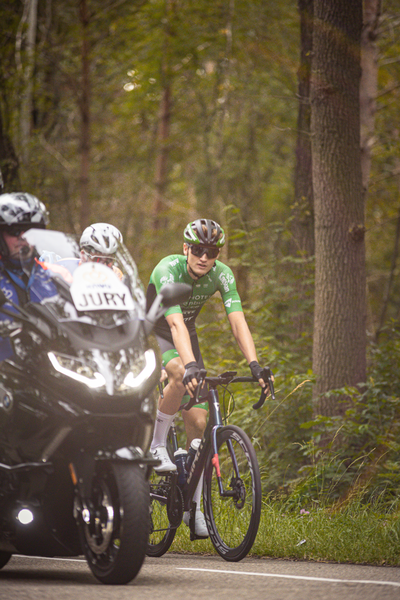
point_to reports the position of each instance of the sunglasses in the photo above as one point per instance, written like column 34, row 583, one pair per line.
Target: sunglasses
column 15, row 231
column 104, row 260
column 200, row 250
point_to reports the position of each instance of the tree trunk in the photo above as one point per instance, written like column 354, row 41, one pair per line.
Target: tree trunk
column 389, row 285
column 30, row 11
column 339, row 351
column 161, row 172
column 162, row 158
column 303, row 211
column 84, row 105
column 301, row 273
column 9, row 179
column 368, row 84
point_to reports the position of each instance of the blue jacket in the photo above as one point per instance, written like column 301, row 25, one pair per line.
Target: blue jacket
column 38, row 287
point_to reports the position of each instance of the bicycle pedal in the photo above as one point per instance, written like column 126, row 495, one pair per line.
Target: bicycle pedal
column 194, row 537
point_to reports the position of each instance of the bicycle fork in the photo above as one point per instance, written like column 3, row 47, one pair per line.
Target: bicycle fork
column 216, row 465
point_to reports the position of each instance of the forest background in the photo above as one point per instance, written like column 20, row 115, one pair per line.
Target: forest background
column 149, row 113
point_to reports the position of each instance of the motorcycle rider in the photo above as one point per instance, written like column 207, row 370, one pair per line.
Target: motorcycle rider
column 98, row 243
column 20, row 211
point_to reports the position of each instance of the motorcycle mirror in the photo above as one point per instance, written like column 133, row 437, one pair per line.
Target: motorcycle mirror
column 175, row 293
column 170, row 295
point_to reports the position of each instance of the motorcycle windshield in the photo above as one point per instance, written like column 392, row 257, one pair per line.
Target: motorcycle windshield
column 88, row 310
column 102, row 291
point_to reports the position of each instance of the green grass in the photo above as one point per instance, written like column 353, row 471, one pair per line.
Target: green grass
column 357, row 534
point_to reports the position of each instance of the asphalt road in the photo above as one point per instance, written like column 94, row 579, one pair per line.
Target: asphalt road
column 176, row 577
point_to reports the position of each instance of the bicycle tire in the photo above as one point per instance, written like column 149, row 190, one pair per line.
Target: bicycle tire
column 162, row 531
column 233, row 521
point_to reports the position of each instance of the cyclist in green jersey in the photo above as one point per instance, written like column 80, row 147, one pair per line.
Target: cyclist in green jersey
column 177, row 338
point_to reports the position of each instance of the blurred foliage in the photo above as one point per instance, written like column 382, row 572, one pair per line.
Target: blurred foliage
column 233, row 86
column 383, row 200
column 357, row 455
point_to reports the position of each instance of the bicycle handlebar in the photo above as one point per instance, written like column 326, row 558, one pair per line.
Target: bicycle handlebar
column 267, row 377
column 230, row 377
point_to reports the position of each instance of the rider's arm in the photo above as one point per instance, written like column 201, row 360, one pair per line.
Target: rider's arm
column 183, row 345
column 242, row 334
column 181, row 337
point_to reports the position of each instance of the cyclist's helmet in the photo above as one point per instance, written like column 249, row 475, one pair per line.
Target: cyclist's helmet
column 204, row 232
column 20, row 211
column 100, row 239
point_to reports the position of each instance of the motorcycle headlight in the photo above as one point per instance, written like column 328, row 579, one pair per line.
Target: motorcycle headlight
column 140, row 374
column 76, row 370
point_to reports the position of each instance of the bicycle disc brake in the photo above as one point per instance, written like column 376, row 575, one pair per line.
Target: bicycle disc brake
column 240, row 492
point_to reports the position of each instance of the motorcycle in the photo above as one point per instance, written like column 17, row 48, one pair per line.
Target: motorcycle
column 77, row 408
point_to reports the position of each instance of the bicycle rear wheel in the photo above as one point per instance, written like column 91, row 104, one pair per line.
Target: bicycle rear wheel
column 162, row 531
column 233, row 520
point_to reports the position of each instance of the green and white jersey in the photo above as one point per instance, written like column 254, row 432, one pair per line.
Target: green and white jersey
column 173, row 269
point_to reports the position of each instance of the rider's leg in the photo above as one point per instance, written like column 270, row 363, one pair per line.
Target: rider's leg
column 198, row 491
column 200, row 526
column 174, row 390
column 167, row 409
column 195, row 421
column 162, row 424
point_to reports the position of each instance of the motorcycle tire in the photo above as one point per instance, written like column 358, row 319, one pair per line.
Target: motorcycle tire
column 115, row 533
column 4, row 558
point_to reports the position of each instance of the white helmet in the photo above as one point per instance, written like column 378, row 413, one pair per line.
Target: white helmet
column 100, row 238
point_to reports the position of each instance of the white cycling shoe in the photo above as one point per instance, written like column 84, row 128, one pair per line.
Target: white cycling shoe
column 161, row 453
column 200, row 526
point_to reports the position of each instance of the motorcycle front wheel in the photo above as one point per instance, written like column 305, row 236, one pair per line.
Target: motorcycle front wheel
column 114, row 528
column 4, row 558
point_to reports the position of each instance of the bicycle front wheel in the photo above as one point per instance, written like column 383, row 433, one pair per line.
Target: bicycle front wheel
column 233, row 517
column 162, row 531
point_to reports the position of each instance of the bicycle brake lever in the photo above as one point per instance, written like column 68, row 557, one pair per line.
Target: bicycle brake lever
column 266, row 375
column 269, row 374
column 194, row 399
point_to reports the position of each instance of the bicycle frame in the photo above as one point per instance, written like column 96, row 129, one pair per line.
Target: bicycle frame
column 208, row 441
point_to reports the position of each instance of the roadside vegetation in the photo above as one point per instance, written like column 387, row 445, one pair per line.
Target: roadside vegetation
column 359, row 533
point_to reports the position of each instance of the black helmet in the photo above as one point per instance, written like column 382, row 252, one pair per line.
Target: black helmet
column 23, row 211
column 204, row 232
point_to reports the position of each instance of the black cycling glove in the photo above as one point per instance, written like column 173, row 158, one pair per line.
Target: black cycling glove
column 192, row 371
column 256, row 370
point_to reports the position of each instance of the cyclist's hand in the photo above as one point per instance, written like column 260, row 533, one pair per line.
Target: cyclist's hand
column 256, row 371
column 191, row 377
column 163, row 375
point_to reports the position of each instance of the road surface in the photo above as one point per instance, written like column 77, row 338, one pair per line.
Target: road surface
column 187, row 577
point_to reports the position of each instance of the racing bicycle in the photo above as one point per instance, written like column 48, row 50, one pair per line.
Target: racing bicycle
column 231, row 484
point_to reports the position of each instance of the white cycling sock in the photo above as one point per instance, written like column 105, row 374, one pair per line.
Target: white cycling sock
column 161, row 428
column 197, row 493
